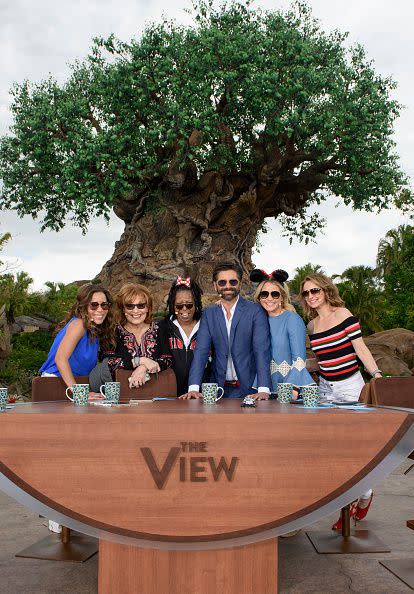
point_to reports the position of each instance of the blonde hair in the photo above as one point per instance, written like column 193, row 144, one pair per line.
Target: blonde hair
column 284, row 292
column 329, row 288
column 127, row 293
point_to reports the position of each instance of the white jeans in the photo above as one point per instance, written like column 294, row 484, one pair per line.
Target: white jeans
column 348, row 389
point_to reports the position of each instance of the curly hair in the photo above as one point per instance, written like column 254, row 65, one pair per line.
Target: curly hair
column 105, row 331
column 329, row 288
column 196, row 292
column 127, row 294
column 284, row 292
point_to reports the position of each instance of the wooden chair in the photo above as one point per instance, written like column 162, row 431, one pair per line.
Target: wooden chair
column 389, row 391
column 163, row 384
column 46, row 389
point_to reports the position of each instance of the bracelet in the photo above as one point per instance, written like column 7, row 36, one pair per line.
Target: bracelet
column 373, row 373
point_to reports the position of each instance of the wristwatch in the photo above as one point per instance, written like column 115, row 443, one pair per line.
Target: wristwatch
column 135, row 361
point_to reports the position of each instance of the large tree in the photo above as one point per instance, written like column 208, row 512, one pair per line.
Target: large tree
column 194, row 135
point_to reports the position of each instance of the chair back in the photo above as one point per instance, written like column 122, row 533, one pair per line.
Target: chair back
column 163, row 385
column 389, row 391
column 52, row 388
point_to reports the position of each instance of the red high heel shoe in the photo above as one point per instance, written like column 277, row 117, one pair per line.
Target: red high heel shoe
column 352, row 512
column 361, row 512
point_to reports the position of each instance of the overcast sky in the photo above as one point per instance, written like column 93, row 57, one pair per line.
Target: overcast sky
column 42, row 38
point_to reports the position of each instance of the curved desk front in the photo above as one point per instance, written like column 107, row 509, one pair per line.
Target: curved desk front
column 187, row 498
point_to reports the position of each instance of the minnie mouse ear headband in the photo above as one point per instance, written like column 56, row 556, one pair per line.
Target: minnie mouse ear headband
column 258, row 276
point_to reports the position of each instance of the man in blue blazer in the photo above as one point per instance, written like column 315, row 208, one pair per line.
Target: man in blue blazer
column 237, row 331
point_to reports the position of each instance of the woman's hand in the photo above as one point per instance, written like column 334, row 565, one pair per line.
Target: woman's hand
column 137, row 378
column 150, row 365
column 95, row 396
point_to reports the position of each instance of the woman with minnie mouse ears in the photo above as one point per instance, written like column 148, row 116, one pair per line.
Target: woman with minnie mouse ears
column 287, row 330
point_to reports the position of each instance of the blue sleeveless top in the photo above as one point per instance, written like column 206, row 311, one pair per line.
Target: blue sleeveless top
column 82, row 360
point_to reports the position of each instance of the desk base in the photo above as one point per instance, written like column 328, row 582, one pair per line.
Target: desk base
column 241, row 570
column 79, row 548
column 359, row 541
column 402, row 569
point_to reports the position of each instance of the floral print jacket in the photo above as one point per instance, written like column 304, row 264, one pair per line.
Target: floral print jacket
column 127, row 348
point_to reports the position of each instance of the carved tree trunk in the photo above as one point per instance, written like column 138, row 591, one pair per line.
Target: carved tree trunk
column 187, row 234
column 198, row 222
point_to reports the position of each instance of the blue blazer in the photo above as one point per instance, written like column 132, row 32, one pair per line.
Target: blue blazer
column 249, row 346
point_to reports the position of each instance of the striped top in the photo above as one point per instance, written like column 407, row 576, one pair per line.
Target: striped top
column 334, row 351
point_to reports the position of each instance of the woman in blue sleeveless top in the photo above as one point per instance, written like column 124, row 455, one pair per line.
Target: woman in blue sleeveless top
column 88, row 325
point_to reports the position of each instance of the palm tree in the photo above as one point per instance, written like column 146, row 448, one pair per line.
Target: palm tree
column 3, row 240
column 358, row 287
column 302, row 272
column 14, row 294
column 392, row 247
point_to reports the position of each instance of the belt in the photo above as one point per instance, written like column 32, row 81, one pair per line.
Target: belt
column 232, row 384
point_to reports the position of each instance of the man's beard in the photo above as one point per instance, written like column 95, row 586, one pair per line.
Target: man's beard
column 228, row 294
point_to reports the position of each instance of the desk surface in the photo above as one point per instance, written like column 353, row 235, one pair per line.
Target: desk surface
column 183, row 472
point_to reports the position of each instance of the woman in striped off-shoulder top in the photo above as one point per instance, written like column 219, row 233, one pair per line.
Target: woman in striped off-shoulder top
column 336, row 339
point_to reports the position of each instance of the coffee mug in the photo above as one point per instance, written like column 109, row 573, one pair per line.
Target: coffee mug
column 111, row 391
column 209, row 393
column 80, row 393
column 310, row 395
column 284, row 393
column 3, row 399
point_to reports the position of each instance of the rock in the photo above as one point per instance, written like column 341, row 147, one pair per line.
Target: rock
column 31, row 324
column 5, row 338
column 393, row 351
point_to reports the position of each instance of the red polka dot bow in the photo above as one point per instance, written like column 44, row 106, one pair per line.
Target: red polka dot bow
column 183, row 281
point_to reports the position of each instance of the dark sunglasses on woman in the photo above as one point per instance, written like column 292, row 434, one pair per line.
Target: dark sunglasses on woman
column 132, row 306
column 95, row 304
column 265, row 294
column 181, row 306
column 312, row 291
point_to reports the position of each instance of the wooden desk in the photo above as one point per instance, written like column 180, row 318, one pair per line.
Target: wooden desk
column 190, row 498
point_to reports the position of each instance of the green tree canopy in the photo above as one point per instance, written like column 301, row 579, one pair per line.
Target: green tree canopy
column 358, row 287
column 398, row 263
column 301, row 272
column 244, row 114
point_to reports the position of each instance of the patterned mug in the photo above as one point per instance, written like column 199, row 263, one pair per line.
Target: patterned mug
column 111, row 391
column 80, row 393
column 310, row 395
column 3, row 399
column 209, row 393
column 284, row 393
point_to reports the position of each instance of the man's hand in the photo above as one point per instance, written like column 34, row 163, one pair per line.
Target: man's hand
column 260, row 396
column 190, row 395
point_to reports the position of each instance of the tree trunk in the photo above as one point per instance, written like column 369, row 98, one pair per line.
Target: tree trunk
column 186, row 234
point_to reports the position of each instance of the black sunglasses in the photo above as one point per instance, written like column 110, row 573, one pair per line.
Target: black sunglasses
column 95, row 304
column 132, row 306
column 265, row 294
column 181, row 306
column 233, row 282
column 312, row 291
